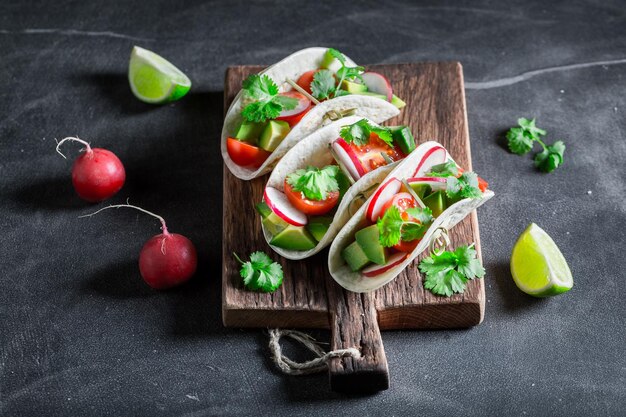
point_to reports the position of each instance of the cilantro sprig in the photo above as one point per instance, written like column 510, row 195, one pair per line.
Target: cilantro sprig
column 260, row 273
column 465, row 186
column 323, row 84
column 261, row 94
column 360, row 132
column 392, row 228
column 448, row 272
column 522, row 138
column 345, row 73
column 315, row 183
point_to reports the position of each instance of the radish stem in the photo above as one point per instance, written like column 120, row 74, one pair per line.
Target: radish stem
column 75, row 139
column 161, row 219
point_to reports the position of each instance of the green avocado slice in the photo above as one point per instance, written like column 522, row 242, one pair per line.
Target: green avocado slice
column 249, row 132
column 367, row 239
column 318, row 226
column 274, row 224
column 273, row 134
column 354, row 256
column 294, row 238
column 436, row 202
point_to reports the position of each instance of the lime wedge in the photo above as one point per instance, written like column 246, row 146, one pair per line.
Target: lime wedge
column 538, row 266
column 155, row 80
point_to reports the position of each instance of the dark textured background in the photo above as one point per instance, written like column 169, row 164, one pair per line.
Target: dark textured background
column 81, row 334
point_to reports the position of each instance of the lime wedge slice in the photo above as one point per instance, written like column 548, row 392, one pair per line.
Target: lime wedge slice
column 538, row 266
column 155, row 80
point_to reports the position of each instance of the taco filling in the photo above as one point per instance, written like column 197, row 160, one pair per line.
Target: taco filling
column 298, row 216
column 400, row 213
column 269, row 115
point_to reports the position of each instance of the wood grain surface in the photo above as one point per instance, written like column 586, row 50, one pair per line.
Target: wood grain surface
column 309, row 298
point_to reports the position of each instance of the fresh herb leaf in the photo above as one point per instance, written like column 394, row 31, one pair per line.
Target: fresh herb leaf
column 338, row 55
column 260, row 273
column 448, row 272
column 323, row 84
column 360, row 132
column 521, row 140
column 261, row 94
column 551, row 157
column 315, row 183
column 466, row 186
column 447, row 169
column 392, row 228
column 345, row 73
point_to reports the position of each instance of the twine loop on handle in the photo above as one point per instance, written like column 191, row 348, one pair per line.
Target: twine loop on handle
column 439, row 241
column 319, row 364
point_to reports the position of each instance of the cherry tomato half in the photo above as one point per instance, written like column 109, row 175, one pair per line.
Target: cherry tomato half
column 244, row 154
column 306, row 79
column 403, row 201
column 311, row 207
column 370, row 154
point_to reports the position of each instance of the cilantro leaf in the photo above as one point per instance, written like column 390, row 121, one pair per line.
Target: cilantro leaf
column 466, row 186
column 315, row 183
column 551, row 157
column 448, row 272
column 350, row 73
column 530, row 128
column 392, row 228
column 519, row 142
column 260, row 273
column 323, row 84
column 360, row 132
column 447, row 169
column 261, row 94
column 338, row 55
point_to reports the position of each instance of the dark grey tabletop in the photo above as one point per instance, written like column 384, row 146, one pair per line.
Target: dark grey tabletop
column 81, row 334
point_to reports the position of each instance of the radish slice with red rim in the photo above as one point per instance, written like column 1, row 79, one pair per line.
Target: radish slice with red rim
column 303, row 104
column 348, row 159
column 378, row 83
column 384, row 193
column 375, row 270
column 278, row 202
column 436, row 183
column 434, row 156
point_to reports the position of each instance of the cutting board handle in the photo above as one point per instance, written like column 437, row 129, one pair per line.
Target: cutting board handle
column 354, row 325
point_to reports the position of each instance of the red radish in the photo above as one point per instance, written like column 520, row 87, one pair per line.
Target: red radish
column 303, row 105
column 434, row 156
column 278, row 202
column 377, row 83
column 166, row 260
column 384, row 193
column 436, row 183
column 97, row 174
column 375, row 270
column 348, row 158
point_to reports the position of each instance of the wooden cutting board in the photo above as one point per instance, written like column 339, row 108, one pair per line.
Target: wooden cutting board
column 309, row 298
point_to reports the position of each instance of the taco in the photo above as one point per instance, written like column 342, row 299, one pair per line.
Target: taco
column 322, row 181
column 291, row 99
column 422, row 195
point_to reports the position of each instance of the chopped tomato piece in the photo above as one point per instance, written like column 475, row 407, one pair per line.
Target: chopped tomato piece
column 403, row 201
column 311, row 207
column 370, row 154
column 306, row 79
column 244, row 154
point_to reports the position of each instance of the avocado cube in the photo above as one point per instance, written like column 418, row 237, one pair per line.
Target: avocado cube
column 367, row 239
column 352, row 87
column 249, row 132
column 436, row 202
column 354, row 256
column 294, row 238
column 273, row 134
column 318, row 226
column 403, row 138
column 263, row 209
column 274, row 224
column 397, row 101
column 422, row 190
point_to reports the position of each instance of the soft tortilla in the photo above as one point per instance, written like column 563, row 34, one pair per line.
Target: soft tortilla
column 355, row 281
column 292, row 67
column 313, row 150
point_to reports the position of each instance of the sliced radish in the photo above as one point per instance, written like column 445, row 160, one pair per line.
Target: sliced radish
column 434, row 156
column 377, row 83
column 278, row 202
column 436, row 183
column 394, row 260
column 347, row 157
column 303, row 104
column 384, row 193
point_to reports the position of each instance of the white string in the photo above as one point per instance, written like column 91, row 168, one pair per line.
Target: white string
column 319, row 364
